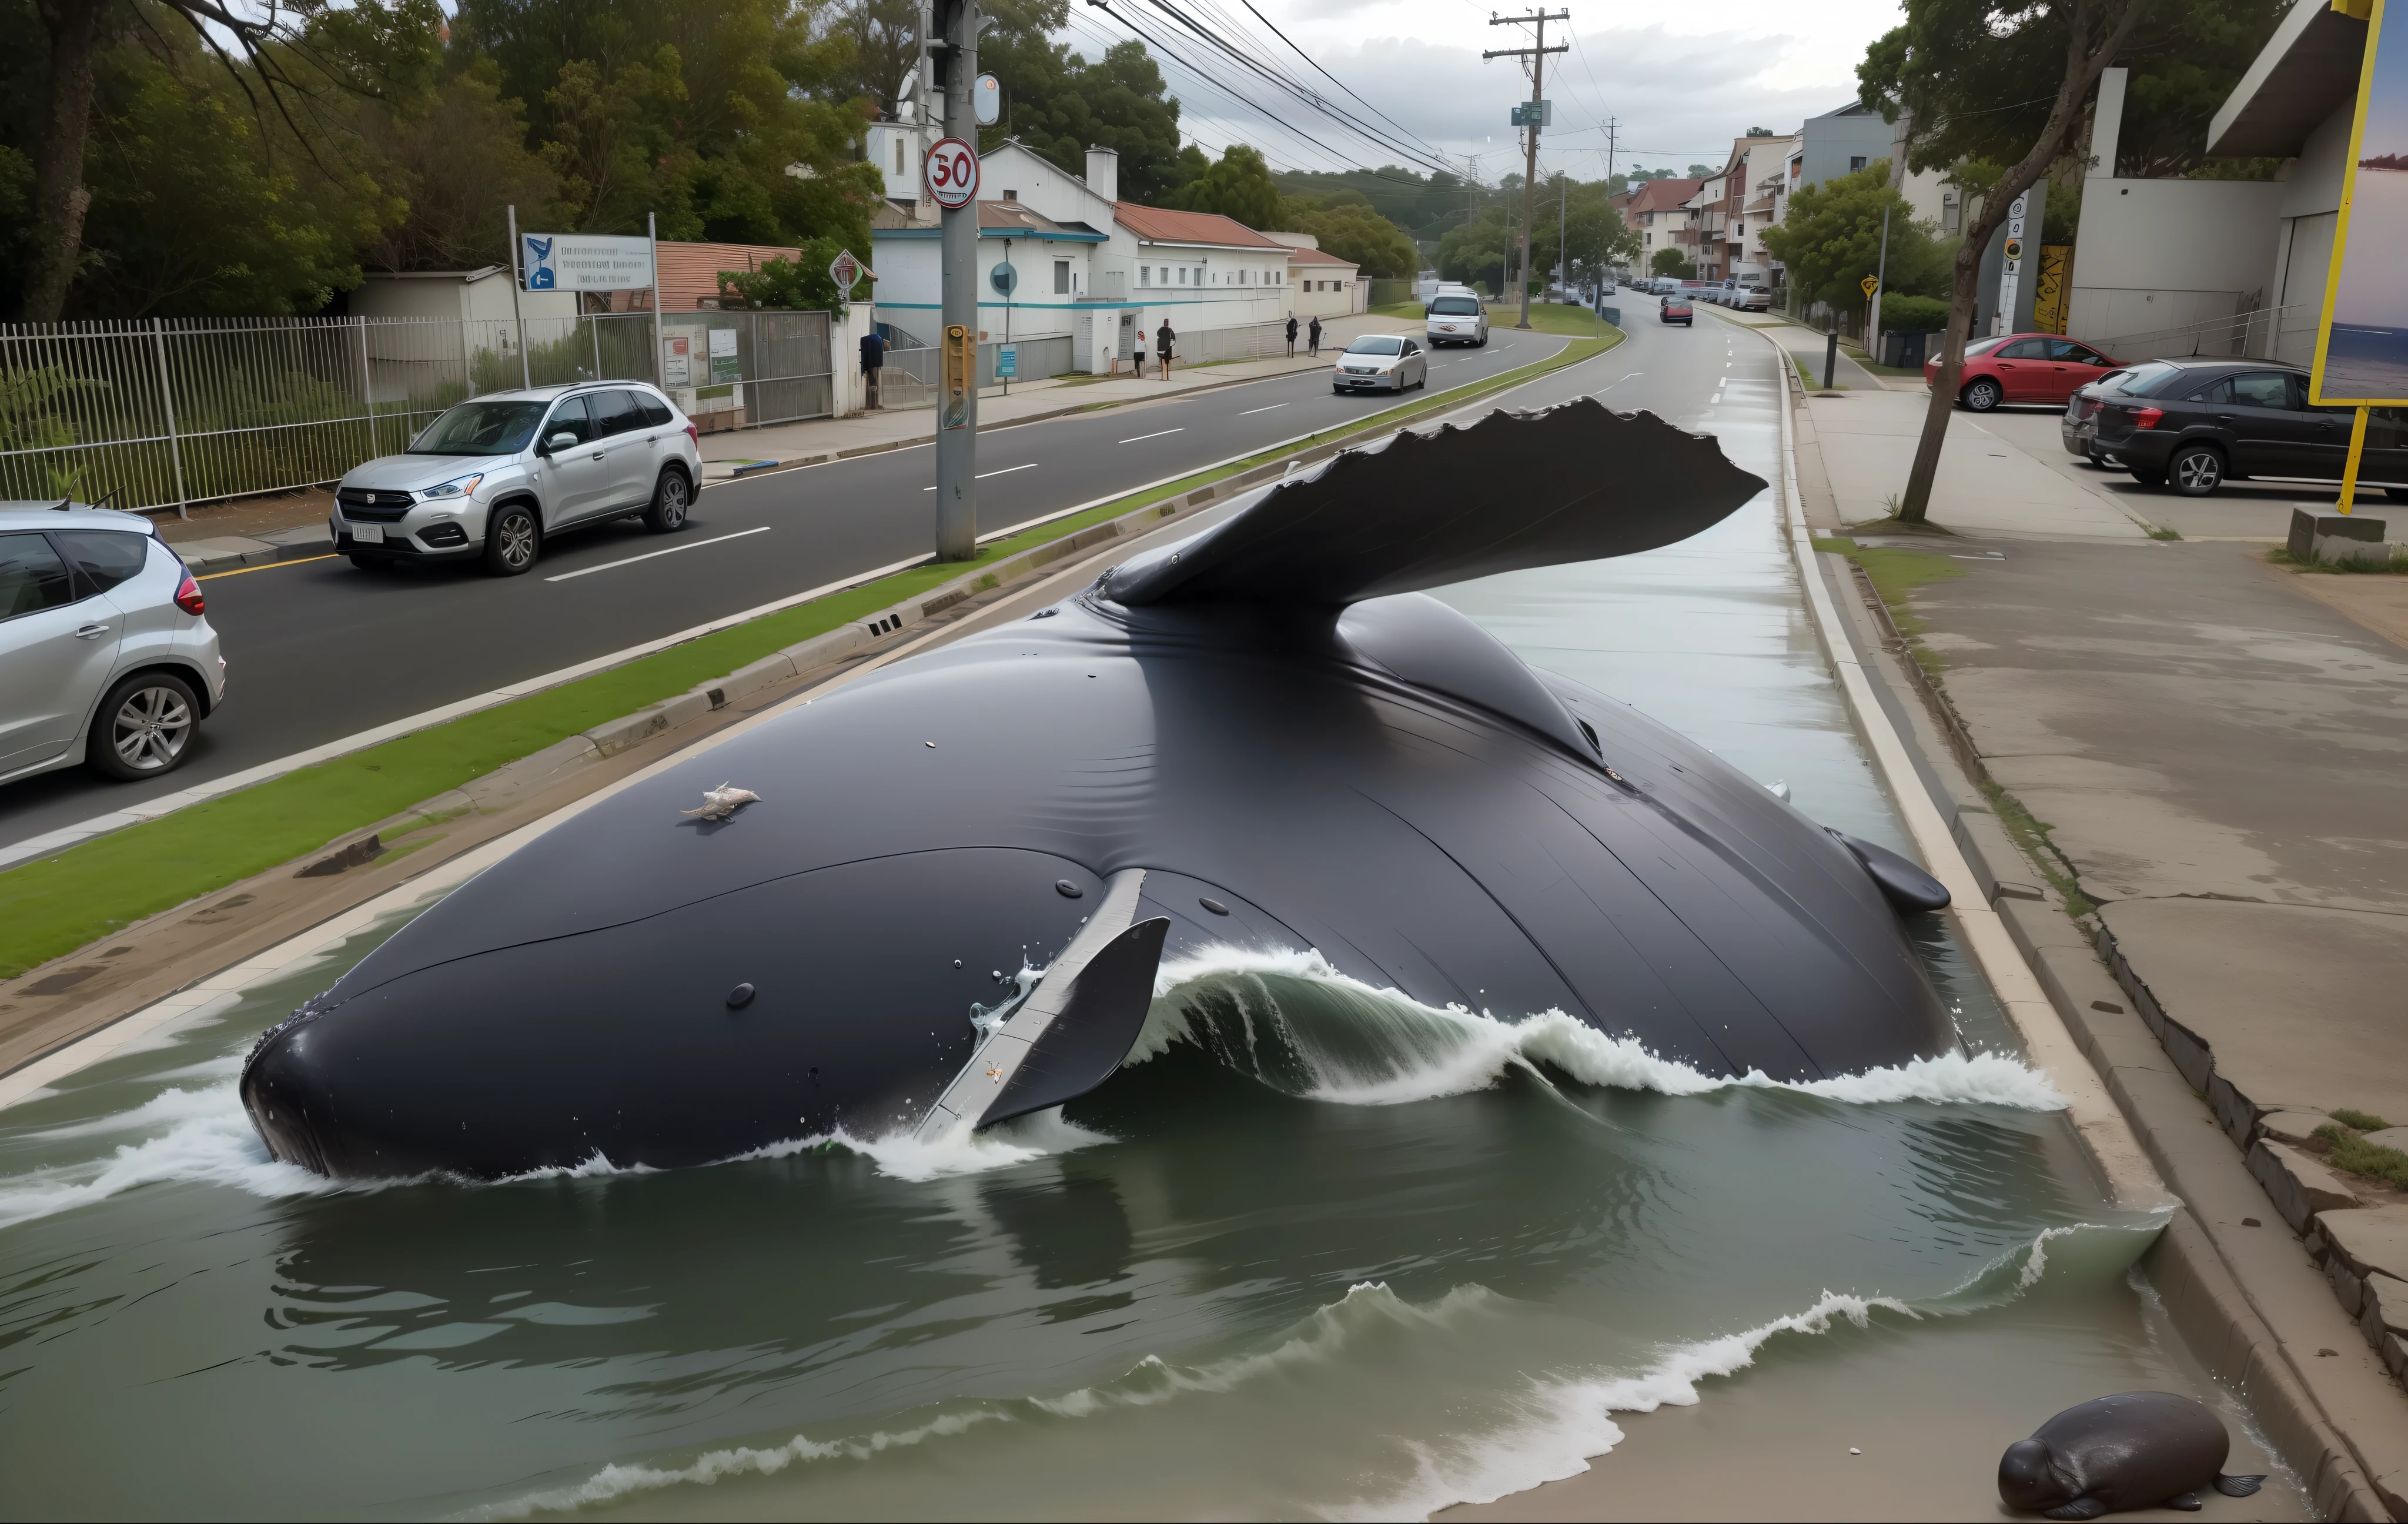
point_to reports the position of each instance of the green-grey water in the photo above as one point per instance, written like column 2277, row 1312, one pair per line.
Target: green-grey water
column 1320, row 1253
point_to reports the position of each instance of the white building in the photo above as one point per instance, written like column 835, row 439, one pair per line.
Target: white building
column 1086, row 267
column 1321, row 284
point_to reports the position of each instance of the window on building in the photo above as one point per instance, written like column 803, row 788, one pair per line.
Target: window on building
column 898, row 155
column 1061, row 278
column 1011, row 195
column 1855, row 161
column 1145, row 275
column 1183, row 275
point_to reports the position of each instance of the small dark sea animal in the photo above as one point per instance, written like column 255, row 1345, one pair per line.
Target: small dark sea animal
column 2111, row 1454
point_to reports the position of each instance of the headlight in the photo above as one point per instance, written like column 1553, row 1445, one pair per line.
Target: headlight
column 458, row 487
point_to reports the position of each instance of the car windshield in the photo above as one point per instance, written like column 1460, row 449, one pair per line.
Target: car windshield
column 480, row 428
column 1377, row 344
column 1455, row 307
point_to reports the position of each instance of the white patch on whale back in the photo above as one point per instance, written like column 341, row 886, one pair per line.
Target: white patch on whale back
column 1420, row 1052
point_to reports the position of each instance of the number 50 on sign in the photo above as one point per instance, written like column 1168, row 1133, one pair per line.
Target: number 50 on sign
column 951, row 170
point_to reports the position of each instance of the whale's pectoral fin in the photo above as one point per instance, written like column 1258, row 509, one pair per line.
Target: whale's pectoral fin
column 2081, row 1507
column 1907, row 888
column 1422, row 510
column 2239, row 1487
column 1082, row 1047
column 1072, row 1032
column 2187, row 1501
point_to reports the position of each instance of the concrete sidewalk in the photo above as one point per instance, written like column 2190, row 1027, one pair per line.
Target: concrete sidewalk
column 1807, row 344
column 1986, row 484
column 2213, row 750
column 727, row 456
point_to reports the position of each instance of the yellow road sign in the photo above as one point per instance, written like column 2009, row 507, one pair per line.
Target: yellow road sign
column 1872, row 285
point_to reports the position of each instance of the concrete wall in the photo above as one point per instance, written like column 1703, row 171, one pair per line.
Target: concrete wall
column 1831, row 139
column 2307, row 214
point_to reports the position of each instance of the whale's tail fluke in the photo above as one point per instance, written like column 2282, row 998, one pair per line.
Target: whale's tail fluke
column 1515, row 489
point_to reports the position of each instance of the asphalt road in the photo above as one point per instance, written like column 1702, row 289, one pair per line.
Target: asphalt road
column 319, row 650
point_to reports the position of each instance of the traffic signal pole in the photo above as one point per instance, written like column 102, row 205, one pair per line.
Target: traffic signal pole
column 956, row 62
column 1537, row 57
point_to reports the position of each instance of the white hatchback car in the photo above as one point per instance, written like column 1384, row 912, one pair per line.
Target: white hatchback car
column 497, row 476
column 105, row 658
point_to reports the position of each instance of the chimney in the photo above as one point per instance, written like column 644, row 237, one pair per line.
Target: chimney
column 1104, row 173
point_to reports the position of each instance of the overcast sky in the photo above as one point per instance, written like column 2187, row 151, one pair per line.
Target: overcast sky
column 1683, row 80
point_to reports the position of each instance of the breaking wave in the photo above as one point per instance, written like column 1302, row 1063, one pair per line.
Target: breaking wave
column 1334, row 1038
column 1552, row 1428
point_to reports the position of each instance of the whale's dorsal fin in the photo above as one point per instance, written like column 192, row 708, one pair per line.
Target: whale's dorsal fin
column 1515, row 489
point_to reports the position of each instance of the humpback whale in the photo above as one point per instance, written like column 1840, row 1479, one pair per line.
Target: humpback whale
column 946, row 903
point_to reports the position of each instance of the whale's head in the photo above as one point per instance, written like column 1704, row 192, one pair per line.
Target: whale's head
column 2029, row 1480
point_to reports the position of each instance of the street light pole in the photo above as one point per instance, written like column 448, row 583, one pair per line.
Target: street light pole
column 1537, row 57
column 957, row 57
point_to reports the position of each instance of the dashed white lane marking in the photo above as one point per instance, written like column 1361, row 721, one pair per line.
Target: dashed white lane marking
column 1251, row 412
column 690, row 545
column 1155, row 434
column 984, row 474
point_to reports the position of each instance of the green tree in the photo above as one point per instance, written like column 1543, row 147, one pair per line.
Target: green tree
column 1963, row 69
column 1346, row 227
column 458, row 156
column 1669, row 262
column 1474, row 254
column 1240, row 186
column 786, row 285
column 1058, row 103
column 1831, row 239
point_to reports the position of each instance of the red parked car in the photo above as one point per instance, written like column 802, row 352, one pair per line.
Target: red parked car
column 2022, row 368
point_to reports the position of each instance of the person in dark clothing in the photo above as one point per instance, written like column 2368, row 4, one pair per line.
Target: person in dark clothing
column 1291, row 336
column 1313, row 336
column 873, row 363
column 1162, row 339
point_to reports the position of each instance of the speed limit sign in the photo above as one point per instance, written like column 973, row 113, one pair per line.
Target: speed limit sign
column 952, row 173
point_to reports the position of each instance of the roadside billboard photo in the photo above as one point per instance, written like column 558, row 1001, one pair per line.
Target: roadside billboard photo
column 2362, row 345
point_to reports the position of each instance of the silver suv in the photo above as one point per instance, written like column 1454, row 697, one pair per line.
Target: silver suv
column 496, row 477
column 104, row 655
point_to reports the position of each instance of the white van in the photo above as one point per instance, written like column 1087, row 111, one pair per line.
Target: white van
column 1455, row 316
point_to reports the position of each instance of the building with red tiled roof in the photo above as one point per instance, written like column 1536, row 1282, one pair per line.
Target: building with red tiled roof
column 1657, row 210
column 1324, row 285
column 1091, row 276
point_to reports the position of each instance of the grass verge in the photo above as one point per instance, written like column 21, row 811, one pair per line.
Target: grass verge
column 56, row 904
column 2349, row 1151
column 2396, row 567
column 2030, row 834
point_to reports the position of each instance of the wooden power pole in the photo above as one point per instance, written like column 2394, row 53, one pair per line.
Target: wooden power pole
column 1530, row 117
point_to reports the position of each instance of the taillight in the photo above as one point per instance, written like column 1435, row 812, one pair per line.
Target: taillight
column 188, row 596
column 2146, row 417
column 693, row 433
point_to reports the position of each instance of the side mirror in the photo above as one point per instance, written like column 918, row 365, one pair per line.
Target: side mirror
column 561, row 441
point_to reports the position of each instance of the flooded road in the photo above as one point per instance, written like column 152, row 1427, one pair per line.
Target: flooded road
column 1316, row 1252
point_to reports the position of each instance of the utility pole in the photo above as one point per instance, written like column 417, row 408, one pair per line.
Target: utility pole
column 1563, row 211
column 1537, row 57
column 954, row 51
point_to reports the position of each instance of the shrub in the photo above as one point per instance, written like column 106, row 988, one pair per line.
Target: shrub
column 1912, row 313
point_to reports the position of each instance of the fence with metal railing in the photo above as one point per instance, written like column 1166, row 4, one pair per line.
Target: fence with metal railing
column 167, row 412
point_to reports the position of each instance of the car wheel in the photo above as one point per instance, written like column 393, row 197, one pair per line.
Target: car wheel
column 671, row 497
column 512, row 540
column 1982, row 394
column 2148, row 479
column 144, row 727
column 2195, row 471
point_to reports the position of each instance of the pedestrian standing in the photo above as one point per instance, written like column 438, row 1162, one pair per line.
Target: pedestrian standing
column 873, row 366
column 1291, row 336
column 1314, row 348
column 1162, row 339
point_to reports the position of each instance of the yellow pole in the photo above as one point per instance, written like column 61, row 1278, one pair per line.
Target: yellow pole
column 2349, row 471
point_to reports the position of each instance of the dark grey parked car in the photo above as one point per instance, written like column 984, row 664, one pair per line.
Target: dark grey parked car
column 2194, row 424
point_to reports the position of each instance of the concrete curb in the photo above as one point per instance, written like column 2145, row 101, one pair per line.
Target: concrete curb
column 231, row 553
column 2241, row 1296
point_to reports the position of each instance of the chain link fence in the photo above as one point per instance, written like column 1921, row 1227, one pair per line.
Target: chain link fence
column 163, row 414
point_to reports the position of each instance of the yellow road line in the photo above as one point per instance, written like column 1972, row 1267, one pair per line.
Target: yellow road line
column 271, row 566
